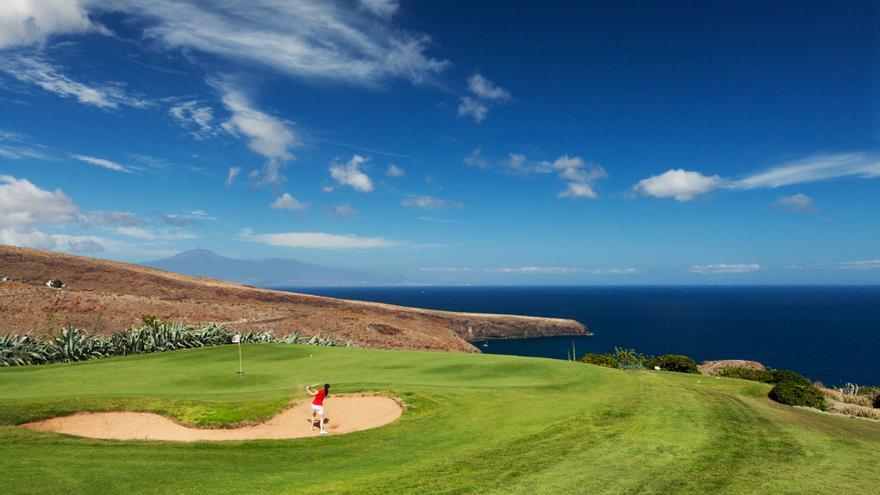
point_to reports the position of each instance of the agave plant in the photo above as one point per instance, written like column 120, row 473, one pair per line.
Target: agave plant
column 73, row 344
column 20, row 350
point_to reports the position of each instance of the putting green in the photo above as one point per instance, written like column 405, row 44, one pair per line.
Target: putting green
column 473, row 423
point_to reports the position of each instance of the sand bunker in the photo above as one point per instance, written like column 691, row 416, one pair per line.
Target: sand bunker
column 346, row 414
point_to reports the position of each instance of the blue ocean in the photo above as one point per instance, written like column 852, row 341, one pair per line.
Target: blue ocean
column 830, row 334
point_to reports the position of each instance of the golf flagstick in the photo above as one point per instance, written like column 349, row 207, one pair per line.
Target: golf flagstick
column 236, row 339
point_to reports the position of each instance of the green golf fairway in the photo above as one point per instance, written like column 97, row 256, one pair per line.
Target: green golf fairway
column 473, row 423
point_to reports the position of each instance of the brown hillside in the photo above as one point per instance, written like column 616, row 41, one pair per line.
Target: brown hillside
column 104, row 296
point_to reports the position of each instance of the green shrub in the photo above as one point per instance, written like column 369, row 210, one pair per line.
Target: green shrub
column 798, row 394
column 877, row 402
column 674, row 362
column 606, row 360
column 744, row 373
column 783, row 376
column 629, row 359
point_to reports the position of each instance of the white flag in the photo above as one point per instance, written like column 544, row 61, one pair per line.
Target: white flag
column 236, row 339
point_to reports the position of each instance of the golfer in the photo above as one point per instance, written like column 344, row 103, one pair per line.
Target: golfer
column 318, row 404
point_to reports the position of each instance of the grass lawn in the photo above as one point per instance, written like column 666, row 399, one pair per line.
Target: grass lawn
column 474, row 423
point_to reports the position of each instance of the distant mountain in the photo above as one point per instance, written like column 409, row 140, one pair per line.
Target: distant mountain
column 266, row 272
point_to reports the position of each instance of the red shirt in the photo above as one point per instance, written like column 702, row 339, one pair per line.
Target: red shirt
column 319, row 398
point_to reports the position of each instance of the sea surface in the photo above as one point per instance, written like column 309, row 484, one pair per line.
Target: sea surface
column 830, row 334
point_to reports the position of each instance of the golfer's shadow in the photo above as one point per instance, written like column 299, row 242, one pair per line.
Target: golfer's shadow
column 316, row 423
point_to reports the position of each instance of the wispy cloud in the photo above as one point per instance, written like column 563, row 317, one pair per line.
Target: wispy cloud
column 103, row 163
column 37, row 71
column 196, row 117
column 475, row 159
column 438, row 220
column 267, row 136
column 17, row 146
column 862, row 265
column 725, row 268
column 383, row 8
column 686, row 185
column 814, row 169
column 232, row 175
column 311, row 40
column 484, row 94
column 426, row 202
column 319, row 240
column 796, row 203
column 537, row 270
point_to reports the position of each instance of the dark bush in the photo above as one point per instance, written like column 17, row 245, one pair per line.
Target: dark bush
column 797, row 394
column 744, row 373
column 877, row 402
column 783, row 376
column 674, row 362
column 606, row 360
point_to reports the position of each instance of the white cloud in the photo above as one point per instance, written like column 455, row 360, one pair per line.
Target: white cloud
column 350, row 174
column 345, row 211
column 267, row 135
column 311, row 40
column 84, row 246
column 475, row 159
column 36, row 71
column 486, row 89
column 394, row 171
column 859, row 265
column 426, row 202
column 684, row 186
column 231, row 175
column 288, row 203
column 813, row 169
column 438, row 220
column 197, row 118
column 485, row 93
column 577, row 190
column 183, row 220
column 101, row 162
column 725, row 268
column 472, row 107
column 383, row 8
column 153, row 234
column 679, row 184
column 319, row 240
column 24, row 207
column 537, row 270
column 32, row 22
column 105, row 219
column 578, row 174
column 842, row 265
column 23, row 204
column 797, row 203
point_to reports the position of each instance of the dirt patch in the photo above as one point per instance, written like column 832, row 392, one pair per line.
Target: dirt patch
column 346, row 414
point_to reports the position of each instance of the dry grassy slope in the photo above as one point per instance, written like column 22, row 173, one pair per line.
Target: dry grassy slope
column 105, row 296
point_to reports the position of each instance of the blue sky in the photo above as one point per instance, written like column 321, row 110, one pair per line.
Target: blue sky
column 482, row 142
